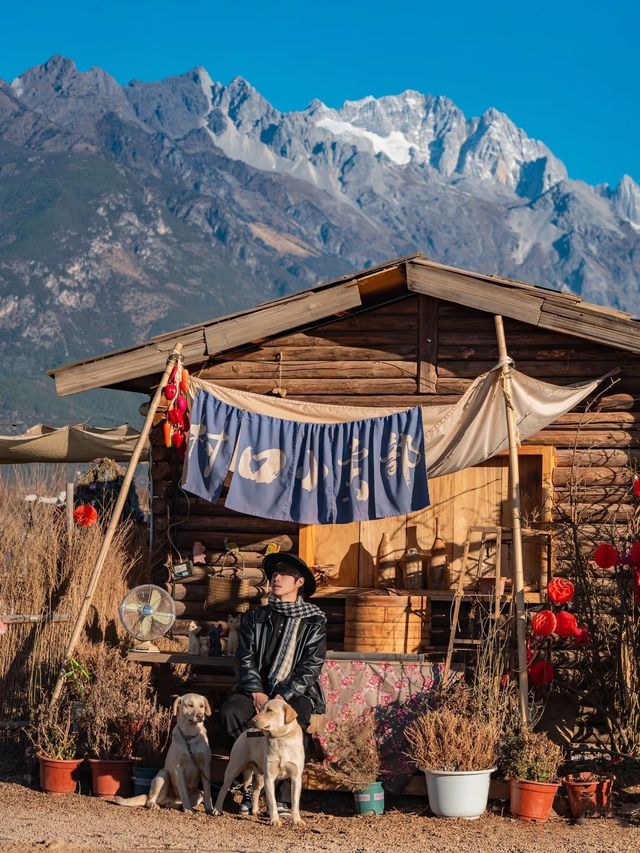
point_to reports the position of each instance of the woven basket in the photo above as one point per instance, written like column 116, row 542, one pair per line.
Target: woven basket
column 228, row 589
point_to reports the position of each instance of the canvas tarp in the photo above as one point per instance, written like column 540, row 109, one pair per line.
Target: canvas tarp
column 457, row 436
column 76, row 443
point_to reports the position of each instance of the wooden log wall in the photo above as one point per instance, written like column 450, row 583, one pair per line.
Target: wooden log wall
column 416, row 350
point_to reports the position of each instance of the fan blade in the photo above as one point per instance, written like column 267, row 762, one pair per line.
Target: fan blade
column 155, row 598
column 164, row 618
column 131, row 607
column 146, row 625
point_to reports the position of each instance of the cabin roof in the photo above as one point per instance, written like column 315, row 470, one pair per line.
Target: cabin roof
column 136, row 367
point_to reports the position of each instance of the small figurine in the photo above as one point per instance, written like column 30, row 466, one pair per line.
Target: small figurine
column 215, row 644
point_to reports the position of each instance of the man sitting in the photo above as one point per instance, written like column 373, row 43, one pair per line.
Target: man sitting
column 281, row 651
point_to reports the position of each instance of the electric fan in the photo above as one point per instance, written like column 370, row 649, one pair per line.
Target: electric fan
column 147, row 612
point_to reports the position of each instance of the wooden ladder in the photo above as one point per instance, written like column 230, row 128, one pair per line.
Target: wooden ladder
column 488, row 534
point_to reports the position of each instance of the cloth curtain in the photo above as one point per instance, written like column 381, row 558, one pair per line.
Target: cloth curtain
column 452, row 438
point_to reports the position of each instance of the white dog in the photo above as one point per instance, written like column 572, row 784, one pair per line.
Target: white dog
column 187, row 765
column 274, row 749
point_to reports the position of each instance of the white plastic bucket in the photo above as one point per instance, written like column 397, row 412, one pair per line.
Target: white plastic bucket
column 458, row 793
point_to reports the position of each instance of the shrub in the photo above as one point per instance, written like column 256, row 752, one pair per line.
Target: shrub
column 352, row 752
column 447, row 740
column 529, row 756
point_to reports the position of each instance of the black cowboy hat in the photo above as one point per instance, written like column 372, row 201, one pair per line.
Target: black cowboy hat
column 272, row 561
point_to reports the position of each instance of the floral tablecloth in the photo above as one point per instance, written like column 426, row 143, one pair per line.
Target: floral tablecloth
column 397, row 691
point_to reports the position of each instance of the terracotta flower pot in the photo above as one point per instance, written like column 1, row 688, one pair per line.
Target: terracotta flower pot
column 58, row 775
column 531, row 801
column 589, row 794
column 111, row 777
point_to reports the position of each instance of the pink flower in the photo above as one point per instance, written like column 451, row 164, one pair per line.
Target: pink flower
column 358, row 665
column 324, row 680
column 332, row 664
column 347, row 681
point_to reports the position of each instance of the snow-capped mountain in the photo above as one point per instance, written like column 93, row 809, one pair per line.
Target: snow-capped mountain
column 162, row 203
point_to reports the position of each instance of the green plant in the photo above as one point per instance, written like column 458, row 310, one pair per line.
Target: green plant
column 529, row 756
column 54, row 732
column 352, row 759
column 77, row 679
column 450, row 740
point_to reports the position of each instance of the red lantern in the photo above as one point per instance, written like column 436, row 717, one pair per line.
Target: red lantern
column 566, row 625
column 540, row 673
column 606, row 556
column 543, row 623
column 636, row 487
column 560, row 591
column 634, row 553
column 582, row 636
column 636, row 585
column 85, row 515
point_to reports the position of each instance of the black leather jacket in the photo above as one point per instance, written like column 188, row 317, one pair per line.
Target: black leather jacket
column 311, row 648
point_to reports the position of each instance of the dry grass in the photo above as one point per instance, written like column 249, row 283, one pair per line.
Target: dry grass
column 446, row 740
column 42, row 574
column 116, row 701
column 353, row 761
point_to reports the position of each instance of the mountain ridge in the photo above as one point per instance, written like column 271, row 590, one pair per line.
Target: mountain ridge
column 130, row 210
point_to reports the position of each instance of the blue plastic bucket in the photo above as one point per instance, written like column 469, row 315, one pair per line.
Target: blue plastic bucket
column 142, row 778
column 370, row 800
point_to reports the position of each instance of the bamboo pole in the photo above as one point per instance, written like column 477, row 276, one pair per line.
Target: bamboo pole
column 514, row 501
column 69, row 512
column 117, row 512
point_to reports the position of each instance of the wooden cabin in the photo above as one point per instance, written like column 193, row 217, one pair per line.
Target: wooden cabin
column 406, row 332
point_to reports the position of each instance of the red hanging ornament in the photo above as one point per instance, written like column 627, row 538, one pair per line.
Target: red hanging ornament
column 169, row 391
column 543, row 623
column 606, row 556
column 85, row 515
column 581, row 636
column 541, row 673
column 634, row 553
column 566, row 625
column 636, row 486
column 560, row 591
column 636, row 585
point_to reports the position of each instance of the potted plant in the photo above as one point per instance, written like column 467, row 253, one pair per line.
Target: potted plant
column 589, row 794
column 115, row 704
column 457, row 753
column 55, row 736
column 353, row 761
column 530, row 760
column 150, row 746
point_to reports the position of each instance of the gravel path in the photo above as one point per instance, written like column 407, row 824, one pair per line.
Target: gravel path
column 30, row 820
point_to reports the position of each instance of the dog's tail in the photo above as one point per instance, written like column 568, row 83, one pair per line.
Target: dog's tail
column 140, row 800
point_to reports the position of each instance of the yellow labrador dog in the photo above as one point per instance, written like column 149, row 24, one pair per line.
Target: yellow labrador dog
column 187, row 766
column 274, row 749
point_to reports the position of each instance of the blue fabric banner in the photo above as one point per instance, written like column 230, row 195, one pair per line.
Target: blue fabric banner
column 310, row 473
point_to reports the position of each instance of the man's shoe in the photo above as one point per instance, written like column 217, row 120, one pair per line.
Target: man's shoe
column 245, row 805
column 284, row 809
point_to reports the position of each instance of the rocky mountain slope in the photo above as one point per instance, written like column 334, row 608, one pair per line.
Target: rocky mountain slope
column 127, row 210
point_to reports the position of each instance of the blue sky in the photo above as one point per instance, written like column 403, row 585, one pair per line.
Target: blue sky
column 566, row 72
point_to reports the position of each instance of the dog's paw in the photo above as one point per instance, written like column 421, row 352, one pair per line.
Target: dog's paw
column 188, row 811
column 151, row 804
column 275, row 821
column 299, row 822
column 215, row 812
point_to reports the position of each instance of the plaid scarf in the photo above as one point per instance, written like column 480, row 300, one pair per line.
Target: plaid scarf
column 294, row 612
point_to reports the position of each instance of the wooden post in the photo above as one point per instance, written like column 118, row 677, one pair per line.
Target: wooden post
column 514, row 501
column 117, row 512
column 69, row 512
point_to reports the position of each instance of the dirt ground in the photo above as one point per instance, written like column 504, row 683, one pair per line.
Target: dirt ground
column 30, row 821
